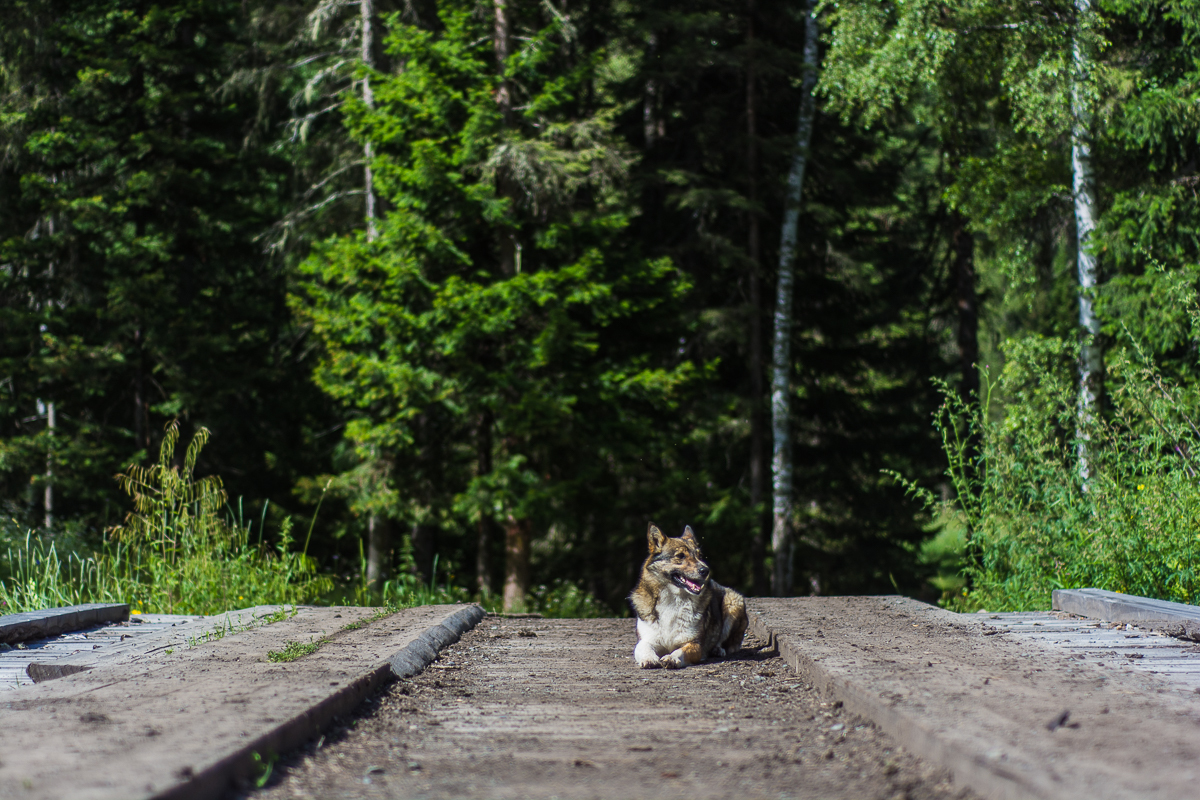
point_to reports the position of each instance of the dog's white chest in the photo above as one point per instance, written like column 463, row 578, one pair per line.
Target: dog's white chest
column 678, row 622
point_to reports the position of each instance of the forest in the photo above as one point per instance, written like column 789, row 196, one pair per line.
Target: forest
column 456, row 296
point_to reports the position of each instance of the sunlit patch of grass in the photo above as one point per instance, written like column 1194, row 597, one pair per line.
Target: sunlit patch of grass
column 294, row 650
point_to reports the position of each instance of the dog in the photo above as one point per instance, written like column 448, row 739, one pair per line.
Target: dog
column 683, row 615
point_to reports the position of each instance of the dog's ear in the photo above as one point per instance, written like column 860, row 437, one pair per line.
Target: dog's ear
column 688, row 534
column 655, row 538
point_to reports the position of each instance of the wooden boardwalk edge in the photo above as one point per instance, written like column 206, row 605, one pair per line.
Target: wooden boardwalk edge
column 1116, row 607
column 239, row 767
column 29, row 625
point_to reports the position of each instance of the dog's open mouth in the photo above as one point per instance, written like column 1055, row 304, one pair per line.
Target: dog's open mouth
column 693, row 586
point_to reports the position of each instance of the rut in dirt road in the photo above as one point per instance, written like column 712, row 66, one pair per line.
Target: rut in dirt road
column 535, row 708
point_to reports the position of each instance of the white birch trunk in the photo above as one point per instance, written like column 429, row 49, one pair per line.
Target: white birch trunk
column 781, row 354
column 1091, row 359
column 378, row 530
column 367, row 8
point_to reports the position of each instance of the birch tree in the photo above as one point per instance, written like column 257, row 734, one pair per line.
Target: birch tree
column 1022, row 74
column 781, row 352
column 1083, row 184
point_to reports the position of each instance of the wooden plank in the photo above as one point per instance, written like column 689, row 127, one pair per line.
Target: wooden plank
column 97, row 643
column 1116, row 607
column 203, row 716
column 40, row 624
column 145, row 639
column 955, row 691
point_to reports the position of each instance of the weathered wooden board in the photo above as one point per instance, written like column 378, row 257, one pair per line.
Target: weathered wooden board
column 39, row 624
column 92, row 645
column 1112, row 647
column 1116, row 607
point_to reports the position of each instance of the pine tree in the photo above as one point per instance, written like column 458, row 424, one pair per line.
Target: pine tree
column 497, row 290
column 131, row 286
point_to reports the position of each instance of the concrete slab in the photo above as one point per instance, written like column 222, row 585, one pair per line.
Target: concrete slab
column 185, row 721
column 1008, row 717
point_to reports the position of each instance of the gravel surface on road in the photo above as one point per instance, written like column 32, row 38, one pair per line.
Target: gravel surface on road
column 537, row 708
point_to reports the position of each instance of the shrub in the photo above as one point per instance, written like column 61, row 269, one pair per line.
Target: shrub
column 1039, row 518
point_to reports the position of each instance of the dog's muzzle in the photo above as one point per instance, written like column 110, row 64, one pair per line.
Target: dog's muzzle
column 690, row 584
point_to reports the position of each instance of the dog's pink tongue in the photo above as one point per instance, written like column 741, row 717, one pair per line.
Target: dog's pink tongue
column 693, row 585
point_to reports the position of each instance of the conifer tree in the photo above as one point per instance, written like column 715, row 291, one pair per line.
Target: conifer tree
column 497, row 288
column 131, row 289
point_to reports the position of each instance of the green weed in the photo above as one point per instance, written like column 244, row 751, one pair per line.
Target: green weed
column 180, row 552
column 228, row 627
column 263, row 767
column 294, row 650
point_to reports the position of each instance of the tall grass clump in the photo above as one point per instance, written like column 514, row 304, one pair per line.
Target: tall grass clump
column 178, row 552
column 1039, row 517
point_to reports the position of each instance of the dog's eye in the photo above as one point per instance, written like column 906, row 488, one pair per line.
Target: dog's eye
column 679, row 556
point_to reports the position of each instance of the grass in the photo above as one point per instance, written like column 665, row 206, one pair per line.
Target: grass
column 294, row 650
column 176, row 552
column 228, row 627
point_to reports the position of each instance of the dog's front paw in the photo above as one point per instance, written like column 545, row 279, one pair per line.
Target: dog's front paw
column 674, row 660
column 718, row 652
column 648, row 663
column 645, row 657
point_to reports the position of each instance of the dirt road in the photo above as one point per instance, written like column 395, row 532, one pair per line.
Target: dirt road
column 532, row 708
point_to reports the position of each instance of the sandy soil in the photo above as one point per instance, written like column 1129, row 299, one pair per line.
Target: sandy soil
column 532, row 708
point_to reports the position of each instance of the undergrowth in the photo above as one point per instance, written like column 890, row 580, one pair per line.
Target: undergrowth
column 176, row 552
column 182, row 551
column 1047, row 502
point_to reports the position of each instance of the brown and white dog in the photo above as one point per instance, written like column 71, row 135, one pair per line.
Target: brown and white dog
column 683, row 616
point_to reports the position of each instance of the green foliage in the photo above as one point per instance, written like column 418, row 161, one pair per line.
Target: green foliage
column 134, row 180
column 563, row 599
column 175, row 554
column 943, row 555
column 408, row 589
column 500, row 311
column 1036, row 524
column 553, row 326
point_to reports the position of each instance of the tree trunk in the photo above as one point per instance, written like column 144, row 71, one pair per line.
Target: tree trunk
column 422, row 537
column 48, row 496
column 653, row 128
column 781, row 533
column 483, row 560
column 509, row 251
column 141, row 416
column 516, row 531
column 758, row 543
column 379, row 529
column 1091, row 356
column 367, row 10
column 968, row 308
column 516, row 563
column 379, row 550
column 51, row 422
